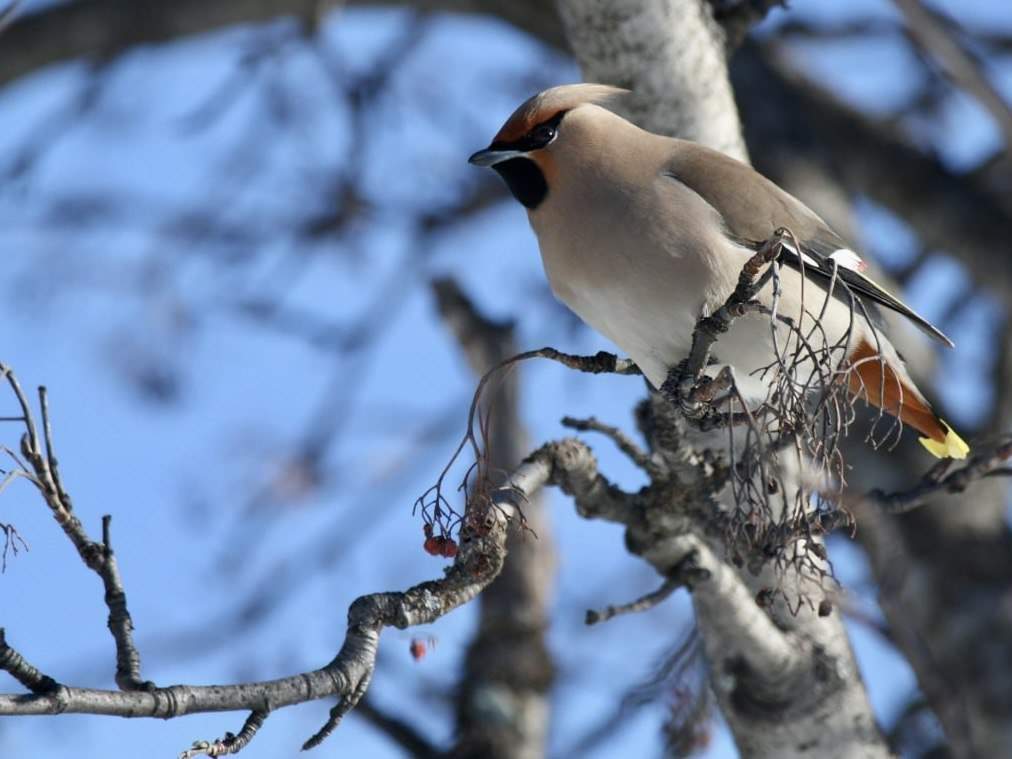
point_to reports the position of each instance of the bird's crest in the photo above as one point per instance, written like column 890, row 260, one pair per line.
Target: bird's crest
column 547, row 104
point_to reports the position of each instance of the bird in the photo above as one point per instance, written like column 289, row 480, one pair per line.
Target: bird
column 641, row 234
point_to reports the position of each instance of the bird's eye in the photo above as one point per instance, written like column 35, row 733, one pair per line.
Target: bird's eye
column 543, row 134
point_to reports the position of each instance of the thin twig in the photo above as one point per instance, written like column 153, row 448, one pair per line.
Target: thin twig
column 403, row 733
column 986, row 462
column 230, row 743
column 656, row 470
column 17, row 667
column 12, row 538
column 42, row 469
column 685, row 575
column 601, row 362
column 686, row 386
column 643, row 603
column 7, row 14
column 47, row 435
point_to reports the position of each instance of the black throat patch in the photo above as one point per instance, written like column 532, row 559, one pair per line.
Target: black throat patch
column 525, row 180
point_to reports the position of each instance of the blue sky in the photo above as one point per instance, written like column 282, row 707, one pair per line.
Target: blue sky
column 84, row 308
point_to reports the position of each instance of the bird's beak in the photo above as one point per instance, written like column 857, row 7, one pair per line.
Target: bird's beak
column 490, row 157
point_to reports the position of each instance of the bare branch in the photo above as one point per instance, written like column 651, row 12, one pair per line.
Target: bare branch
column 13, row 542
column 687, row 574
column 643, row 603
column 17, row 667
column 103, row 29
column 664, row 523
column 401, row 732
column 348, row 675
column 601, row 362
column 709, row 328
column 654, row 468
column 230, row 743
column 98, row 557
column 987, row 461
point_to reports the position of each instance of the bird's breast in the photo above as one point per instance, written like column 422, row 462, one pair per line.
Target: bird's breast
column 632, row 280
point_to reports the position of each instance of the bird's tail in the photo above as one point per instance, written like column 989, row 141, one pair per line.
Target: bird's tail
column 876, row 380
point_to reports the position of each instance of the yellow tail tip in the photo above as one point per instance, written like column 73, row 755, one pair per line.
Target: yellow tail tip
column 953, row 447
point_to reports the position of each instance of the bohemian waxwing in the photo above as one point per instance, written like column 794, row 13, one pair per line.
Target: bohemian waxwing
column 642, row 234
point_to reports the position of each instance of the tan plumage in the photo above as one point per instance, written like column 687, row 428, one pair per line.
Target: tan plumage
column 640, row 234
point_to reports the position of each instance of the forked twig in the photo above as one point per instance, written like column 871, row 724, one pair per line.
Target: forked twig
column 41, row 468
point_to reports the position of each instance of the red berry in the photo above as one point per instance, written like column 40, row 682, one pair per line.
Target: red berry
column 417, row 649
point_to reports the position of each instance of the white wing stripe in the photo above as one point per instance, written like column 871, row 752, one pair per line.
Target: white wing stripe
column 848, row 259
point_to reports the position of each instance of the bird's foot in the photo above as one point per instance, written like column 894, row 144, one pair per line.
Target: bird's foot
column 678, row 385
column 698, row 398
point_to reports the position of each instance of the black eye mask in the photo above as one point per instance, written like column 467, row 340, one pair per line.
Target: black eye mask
column 539, row 136
column 523, row 177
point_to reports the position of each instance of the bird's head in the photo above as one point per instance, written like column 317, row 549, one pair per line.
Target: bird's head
column 522, row 150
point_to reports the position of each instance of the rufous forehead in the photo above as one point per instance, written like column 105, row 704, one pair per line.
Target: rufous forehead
column 524, row 119
column 550, row 103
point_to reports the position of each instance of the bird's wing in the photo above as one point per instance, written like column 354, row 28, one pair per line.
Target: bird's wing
column 847, row 267
column 752, row 208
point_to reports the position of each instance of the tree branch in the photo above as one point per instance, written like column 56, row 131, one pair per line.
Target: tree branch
column 230, row 743
column 347, row 676
column 987, row 461
column 401, row 732
column 103, row 29
column 664, row 523
column 653, row 467
column 43, row 471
